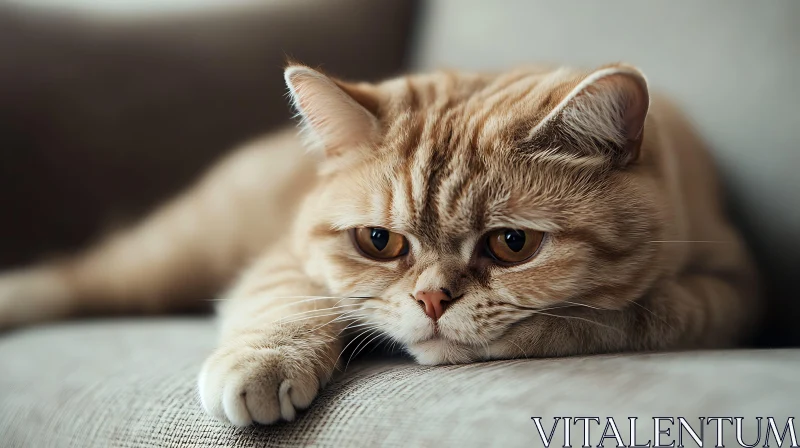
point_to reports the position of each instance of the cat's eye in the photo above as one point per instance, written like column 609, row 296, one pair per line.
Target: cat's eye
column 513, row 246
column 379, row 244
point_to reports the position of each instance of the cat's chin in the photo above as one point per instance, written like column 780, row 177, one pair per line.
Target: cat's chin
column 438, row 350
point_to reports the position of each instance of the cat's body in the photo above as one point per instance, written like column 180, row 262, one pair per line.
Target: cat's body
column 628, row 247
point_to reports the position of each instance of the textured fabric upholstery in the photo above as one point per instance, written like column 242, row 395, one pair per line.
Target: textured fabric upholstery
column 131, row 383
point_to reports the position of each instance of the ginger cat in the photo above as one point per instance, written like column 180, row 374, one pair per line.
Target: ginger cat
column 464, row 217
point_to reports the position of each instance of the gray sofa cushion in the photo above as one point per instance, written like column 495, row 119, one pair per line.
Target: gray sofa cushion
column 131, row 383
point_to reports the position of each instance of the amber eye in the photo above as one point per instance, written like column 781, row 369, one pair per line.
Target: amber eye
column 379, row 243
column 513, row 246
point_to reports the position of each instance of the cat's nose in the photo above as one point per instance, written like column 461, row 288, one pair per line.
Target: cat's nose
column 435, row 302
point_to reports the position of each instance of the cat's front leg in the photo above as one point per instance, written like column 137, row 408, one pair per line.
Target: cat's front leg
column 279, row 345
column 266, row 375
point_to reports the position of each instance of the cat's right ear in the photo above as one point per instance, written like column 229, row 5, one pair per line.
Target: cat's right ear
column 602, row 117
column 336, row 117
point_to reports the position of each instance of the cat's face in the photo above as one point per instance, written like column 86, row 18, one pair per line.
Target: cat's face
column 457, row 207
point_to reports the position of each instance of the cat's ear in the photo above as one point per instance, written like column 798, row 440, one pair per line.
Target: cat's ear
column 334, row 115
column 602, row 116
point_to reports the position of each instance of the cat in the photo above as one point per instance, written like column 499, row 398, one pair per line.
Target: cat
column 466, row 217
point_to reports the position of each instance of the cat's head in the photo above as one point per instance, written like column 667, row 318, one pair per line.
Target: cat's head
column 467, row 205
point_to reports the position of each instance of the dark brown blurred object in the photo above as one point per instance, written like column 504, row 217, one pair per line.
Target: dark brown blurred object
column 102, row 117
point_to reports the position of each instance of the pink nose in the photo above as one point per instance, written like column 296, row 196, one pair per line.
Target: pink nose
column 435, row 302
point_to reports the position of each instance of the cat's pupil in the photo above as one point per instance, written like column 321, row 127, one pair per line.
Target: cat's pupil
column 380, row 238
column 515, row 240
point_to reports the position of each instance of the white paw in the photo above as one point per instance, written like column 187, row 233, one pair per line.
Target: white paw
column 255, row 379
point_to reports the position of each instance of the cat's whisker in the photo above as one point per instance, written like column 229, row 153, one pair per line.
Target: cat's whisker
column 363, row 332
column 335, row 306
column 560, row 307
column 384, row 339
column 664, row 321
column 585, row 305
column 341, row 320
column 368, row 341
column 316, row 298
column 691, row 241
column 346, row 314
column 309, row 299
column 370, row 327
column 533, row 308
column 324, row 309
column 298, row 302
column 356, row 350
column 366, row 328
column 349, row 316
column 320, row 297
column 305, row 318
column 581, row 319
column 521, row 350
column 354, row 318
column 340, row 308
column 351, row 326
column 313, row 299
column 628, row 300
column 269, row 297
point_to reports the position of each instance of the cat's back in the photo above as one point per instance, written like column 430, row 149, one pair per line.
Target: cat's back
column 700, row 233
column 684, row 162
column 252, row 195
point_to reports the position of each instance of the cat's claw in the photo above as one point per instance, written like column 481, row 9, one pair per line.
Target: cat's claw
column 248, row 384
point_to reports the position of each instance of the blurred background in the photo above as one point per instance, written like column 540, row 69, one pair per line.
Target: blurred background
column 109, row 106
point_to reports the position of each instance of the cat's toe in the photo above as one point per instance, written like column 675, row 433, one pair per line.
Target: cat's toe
column 297, row 394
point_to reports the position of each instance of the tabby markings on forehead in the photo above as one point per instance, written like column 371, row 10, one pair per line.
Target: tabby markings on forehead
column 519, row 222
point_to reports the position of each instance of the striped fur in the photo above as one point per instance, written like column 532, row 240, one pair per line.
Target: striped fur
column 618, row 182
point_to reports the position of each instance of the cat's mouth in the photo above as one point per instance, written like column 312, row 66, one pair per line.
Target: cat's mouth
column 441, row 335
column 439, row 349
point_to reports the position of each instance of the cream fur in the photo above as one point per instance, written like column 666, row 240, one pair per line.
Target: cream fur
column 442, row 159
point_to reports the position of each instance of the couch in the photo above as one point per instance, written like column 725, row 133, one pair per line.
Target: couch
column 106, row 110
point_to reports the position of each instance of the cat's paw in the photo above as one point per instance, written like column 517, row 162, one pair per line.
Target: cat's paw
column 263, row 378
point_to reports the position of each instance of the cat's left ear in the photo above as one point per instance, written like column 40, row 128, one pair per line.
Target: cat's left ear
column 603, row 115
column 335, row 115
